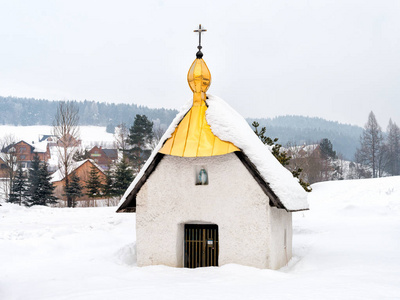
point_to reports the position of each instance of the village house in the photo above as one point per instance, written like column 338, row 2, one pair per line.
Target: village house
column 49, row 138
column 82, row 170
column 103, row 157
column 211, row 192
column 4, row 168
column 24, row 152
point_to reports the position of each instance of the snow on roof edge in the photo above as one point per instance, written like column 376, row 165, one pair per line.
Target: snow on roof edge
column 229, row 125
column 58, row 176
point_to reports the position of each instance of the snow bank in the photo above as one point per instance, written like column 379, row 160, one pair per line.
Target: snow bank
column 346, row 247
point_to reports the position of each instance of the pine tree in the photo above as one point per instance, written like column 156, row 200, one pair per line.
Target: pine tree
column 19, row 188
column 80, row 155
column 40, row 189
column 46, row 188
column 33, row 195
column 93, row 184
column 326, row 149
column 74, row 189
column 371, row 152
column 280, row 155
column 123, row 178
column 108, row 186
column 140, row 138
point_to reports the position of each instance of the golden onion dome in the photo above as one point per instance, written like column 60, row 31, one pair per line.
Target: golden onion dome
column 193, row 136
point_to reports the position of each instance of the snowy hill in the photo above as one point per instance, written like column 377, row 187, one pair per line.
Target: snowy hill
column 90, row 135
column 346, row 247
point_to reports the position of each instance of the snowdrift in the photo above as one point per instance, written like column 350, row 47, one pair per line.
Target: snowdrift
column 346, row 247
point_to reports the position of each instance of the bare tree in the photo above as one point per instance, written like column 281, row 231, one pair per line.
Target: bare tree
column 158, row 132
column 393, row 148
column 120, row 137
column 9, row 156
column 371, row 151
column 66, row 130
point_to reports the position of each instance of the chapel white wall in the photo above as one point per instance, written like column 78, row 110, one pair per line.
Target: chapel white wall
column 233, row 200
column 280, row 242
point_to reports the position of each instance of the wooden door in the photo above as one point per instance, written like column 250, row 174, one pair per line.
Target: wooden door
column 201, row 245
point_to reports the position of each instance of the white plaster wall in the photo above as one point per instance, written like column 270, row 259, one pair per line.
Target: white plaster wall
column 232, row 200
column 281, row 251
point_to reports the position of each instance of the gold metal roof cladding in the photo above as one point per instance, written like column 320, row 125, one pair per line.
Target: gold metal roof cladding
column 193, row 136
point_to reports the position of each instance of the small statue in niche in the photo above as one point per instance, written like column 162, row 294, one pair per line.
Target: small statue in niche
column 203, row 177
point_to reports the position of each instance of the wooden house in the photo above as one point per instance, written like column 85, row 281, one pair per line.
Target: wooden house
column 4, row 168
column 211, row 192
column 103, row 157
column 24, row 152
column 82, row 170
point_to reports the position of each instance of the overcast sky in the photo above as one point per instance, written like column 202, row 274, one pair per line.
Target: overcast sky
column 336, row 60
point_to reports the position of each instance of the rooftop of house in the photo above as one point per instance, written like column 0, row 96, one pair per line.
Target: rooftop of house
column 230, row 126
column 59, row 175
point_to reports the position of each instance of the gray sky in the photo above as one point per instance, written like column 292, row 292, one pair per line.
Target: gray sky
column 336, row 60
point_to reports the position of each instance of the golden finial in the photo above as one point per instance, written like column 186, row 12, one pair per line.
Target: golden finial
column 199, row 76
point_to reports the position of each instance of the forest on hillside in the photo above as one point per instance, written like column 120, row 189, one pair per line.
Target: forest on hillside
column 296, row 130
column 29, row 111
column 300, row 130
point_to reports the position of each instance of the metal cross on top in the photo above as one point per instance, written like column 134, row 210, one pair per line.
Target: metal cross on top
column 199, row 54
column 200, row 31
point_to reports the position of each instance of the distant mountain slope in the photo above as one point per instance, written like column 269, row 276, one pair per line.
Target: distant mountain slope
column 23, row 111
column 305, row 130
column 294, row 129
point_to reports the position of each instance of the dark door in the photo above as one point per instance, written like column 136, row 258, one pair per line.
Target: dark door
column 201, row 245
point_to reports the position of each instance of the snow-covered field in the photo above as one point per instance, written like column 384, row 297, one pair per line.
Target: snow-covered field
column 346, row 247
column 90, row 135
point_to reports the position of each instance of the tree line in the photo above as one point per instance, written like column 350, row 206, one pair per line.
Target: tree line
column 379, row 153
column 29, row 111
column 294, row 129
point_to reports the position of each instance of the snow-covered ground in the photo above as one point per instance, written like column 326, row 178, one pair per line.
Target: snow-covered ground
column 346, row 247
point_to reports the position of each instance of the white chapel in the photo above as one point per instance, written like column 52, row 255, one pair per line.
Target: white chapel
column 211, row 192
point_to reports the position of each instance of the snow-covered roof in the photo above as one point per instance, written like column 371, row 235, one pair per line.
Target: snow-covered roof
column 40, row 146
column 59, row 175
column 3, row 156
column 228, row 125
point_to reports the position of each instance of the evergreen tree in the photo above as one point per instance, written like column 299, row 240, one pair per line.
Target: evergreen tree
column 123, row 178
column 33, row 194
column 93, row 184
column 280, row 155
column 371, row 151
column 80, row 155
column 19, row 188
column 46, row 188
column 74, row 189
column 326, row 149
column 108, row 186
column 40, row 189
column 140, row 138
